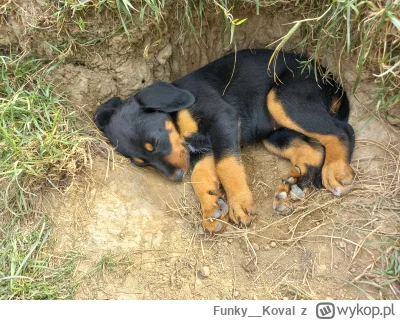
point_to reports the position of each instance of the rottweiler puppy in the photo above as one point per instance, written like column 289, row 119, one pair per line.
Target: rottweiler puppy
column 204, row 117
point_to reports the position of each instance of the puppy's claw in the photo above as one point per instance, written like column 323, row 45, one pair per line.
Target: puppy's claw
column 283, row 209
column 296, row 193
column 219, row 226
column 289, row 180
column 224, row 207
column 251, row 212
column 281, row 195
column 217, row 214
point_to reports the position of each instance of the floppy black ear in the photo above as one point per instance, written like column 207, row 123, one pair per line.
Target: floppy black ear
column 105, row 111
column 165, row 97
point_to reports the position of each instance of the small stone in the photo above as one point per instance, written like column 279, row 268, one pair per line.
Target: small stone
column 335, row 266
column 256, row 246
column 267, row 248
column 236, row 294
column 230, row 240
column 200, row 230
column 296, row 261
column 226, row 243
column 273, row 244
column 255, row 297
column 353, row 270
column 198, row 282
column 342, row 244
column 204, row 272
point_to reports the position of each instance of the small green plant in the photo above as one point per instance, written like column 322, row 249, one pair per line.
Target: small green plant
column 38, row 142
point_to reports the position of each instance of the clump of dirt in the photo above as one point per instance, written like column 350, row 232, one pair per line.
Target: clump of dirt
column 140, row 236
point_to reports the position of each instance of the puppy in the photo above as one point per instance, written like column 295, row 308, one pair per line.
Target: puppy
column 202, row 118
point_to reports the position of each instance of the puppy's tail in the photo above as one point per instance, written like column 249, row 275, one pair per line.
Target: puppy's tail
column 340, row 107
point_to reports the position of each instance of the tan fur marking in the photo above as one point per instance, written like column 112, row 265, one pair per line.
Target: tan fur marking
column 335, row 149
column 232, row 175
column 234, row 180
column 204, row 179
column 179, row 156
column 138, row 160
column 186, row 123
column 336, row 169
column 148, row 146
column 335, row 104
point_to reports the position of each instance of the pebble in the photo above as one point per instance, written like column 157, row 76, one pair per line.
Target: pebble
column 273, row 244
column 255, row 297
column 204, row 272
column 267, row 248
column 200, row 230
column 353, row 270
column 230, row 240
column 226, row 243
column 198, row 282
column 236, row 294
column 256, row 246
column 342, row 244
column 335, row 266
column 296, row 261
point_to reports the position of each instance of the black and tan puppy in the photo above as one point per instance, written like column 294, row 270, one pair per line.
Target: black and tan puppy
column 203, row 118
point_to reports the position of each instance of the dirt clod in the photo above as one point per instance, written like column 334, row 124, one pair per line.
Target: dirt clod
column 204, row 272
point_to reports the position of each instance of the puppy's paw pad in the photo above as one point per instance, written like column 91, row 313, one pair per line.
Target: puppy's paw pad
column 296, row 193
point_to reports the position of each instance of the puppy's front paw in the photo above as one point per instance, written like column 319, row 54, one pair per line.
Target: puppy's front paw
column 242, row 209
column 337, row 177
column 215, row 215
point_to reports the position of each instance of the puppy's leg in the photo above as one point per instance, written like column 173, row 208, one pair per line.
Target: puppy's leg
column 224, row 136
column 206, row 186
column 302, row 107
column 307, row 159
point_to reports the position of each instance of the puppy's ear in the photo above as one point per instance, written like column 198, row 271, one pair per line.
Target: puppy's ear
column 105, row 111
column 165, row 97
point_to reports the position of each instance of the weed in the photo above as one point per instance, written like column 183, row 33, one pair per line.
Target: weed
column 38, row 142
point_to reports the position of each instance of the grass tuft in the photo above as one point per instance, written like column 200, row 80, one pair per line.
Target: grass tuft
column 38, row 142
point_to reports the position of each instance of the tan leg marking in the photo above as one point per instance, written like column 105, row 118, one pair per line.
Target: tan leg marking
column 206, row 186
column 337, row 175
column 186, row 123
column 233, row 177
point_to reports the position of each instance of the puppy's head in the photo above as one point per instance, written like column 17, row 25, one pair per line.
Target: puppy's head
column 141, row 129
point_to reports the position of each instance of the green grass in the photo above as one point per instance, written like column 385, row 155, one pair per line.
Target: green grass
column 366, row 30
column 39, row 144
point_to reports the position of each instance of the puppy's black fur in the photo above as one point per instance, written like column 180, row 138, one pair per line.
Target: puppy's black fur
column 213, row 110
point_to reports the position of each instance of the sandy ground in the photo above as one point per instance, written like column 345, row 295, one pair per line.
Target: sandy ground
column 139, row 236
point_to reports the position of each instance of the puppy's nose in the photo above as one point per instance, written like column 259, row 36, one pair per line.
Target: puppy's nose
column 178, row 175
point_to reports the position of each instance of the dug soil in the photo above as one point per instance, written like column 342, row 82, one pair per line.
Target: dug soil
column 139, row 236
